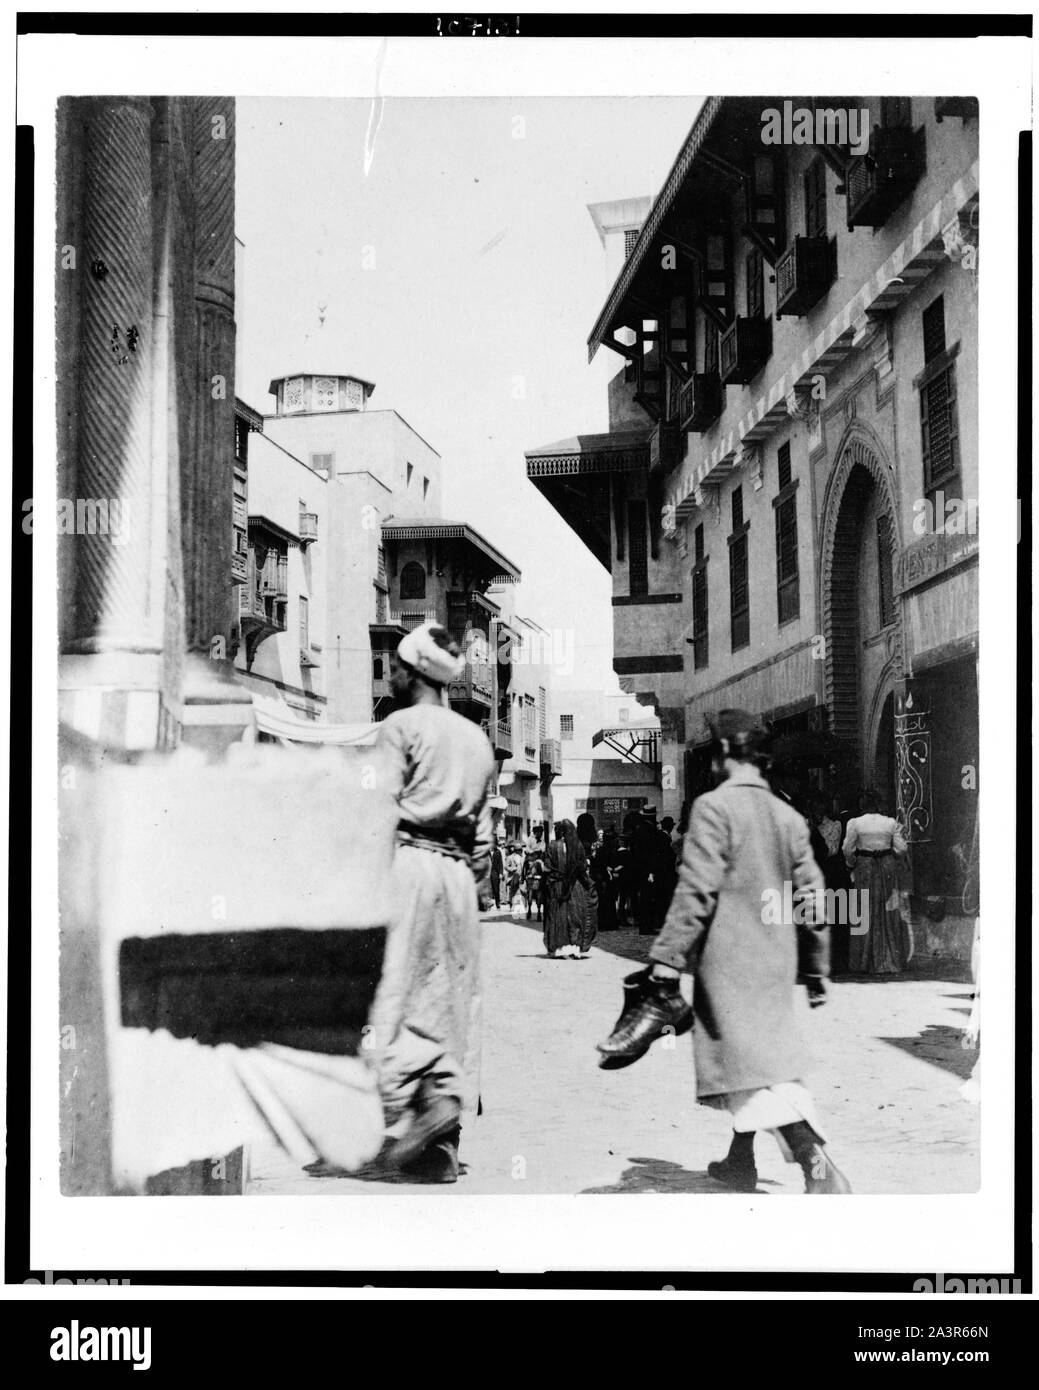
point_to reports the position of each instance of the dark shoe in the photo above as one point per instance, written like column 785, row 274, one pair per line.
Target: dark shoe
column 823, row 1175
column 660, row 1011
column 734, row 1175
column 438, row 1163
column 434, row 1115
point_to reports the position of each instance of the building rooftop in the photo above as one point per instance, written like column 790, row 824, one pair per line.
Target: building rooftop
column 654, row 222
column 369, row 386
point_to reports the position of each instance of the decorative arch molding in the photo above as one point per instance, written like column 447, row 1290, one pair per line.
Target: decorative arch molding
column 861, row 467
column 887, row 684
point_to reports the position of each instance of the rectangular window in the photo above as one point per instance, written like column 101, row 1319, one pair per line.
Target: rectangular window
column 631, row 236
column 933, row 319
column 304, row 624
column 710, row 346
column 737, row 507
column 322, row 463
column 885, row 571
column 783, row 466
column 755, row 285
column 638, row 558
column 939, row 430
column 698, row 543
column 815, row 198
column 739, row 593
column 700, row 649
column 787, row 583
column 542, row 712
column 566, row 727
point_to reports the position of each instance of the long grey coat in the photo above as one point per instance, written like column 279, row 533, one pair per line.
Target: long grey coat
column 743, row 845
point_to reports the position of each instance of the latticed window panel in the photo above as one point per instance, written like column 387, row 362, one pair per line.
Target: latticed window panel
column 783, row 466
column 787, row 580
column 700, row 644
column 739, row 594
column 630, row 238
column 885, row 571
column 566, row 726
column 940, row 434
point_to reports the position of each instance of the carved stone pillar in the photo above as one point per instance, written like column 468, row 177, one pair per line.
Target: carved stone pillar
column 913, row 767
column 116, row 607
column 114, row 677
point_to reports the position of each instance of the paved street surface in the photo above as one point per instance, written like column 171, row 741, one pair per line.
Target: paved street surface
column 889, row 1069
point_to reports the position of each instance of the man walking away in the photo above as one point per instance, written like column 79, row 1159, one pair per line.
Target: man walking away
column 743, row 846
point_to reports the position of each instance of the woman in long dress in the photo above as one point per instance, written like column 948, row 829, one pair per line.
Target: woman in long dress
column 879, row 944
column 565, row 889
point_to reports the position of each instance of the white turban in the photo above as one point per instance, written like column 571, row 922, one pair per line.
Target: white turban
column 419, row 650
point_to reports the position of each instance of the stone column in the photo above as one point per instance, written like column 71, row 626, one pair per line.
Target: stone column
column 111, row 674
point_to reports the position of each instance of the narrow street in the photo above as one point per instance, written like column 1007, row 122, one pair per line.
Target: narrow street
column 887, row 1081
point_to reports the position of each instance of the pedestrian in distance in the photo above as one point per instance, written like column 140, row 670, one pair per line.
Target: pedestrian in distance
column 586, row 834
column 513, row 875
column 497, row 870
column 872, row 846
column 743, row 845
column 565, row 891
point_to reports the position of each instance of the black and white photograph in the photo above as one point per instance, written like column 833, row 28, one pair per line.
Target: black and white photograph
column 515, row 671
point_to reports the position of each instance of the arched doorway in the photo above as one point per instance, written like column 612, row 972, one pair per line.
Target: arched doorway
column 861, row 614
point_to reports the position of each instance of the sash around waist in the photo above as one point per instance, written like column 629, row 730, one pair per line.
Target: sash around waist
column 872, row 853
column 456, row 841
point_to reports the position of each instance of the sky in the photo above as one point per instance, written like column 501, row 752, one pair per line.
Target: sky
column 462, row 274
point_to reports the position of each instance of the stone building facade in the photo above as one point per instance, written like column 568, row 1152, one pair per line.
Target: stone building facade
column 792, row 524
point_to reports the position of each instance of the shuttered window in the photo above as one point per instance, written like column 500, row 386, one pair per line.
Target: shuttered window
column 783, row 466
column 700, row 649
column 787, row 581
column 739, row 593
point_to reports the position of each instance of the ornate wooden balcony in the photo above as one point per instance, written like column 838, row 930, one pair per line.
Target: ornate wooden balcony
column 474, row 686
column 877, row 182
column 307, row 527
column 743, row 349
column 551, row 757
column 503, row 738
column 239, row 567
column 804, row 273
column 700, row 401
